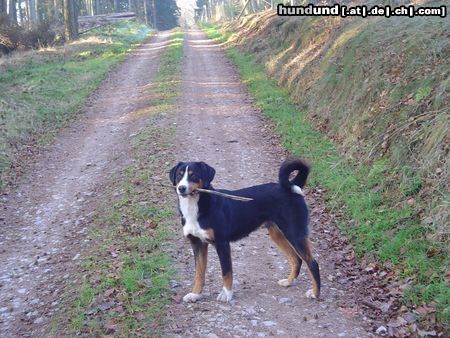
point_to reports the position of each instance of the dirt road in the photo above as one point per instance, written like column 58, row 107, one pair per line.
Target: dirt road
column 218, row 124
column 45, row 219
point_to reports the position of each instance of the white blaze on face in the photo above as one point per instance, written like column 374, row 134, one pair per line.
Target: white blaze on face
column 184, row 180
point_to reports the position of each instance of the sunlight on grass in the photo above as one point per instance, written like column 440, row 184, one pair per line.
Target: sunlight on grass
column 43, row 90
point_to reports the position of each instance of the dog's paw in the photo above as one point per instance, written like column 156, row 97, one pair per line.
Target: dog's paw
column 225, row 295
column 310, row 294
column 192, row 297
column 284, row 282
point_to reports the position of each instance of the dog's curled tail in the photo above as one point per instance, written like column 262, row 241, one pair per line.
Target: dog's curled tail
column 298, row 182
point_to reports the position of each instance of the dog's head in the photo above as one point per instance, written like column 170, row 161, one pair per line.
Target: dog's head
column 189, row 176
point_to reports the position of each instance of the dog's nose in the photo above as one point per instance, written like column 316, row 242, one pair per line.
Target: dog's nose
column 182, row 189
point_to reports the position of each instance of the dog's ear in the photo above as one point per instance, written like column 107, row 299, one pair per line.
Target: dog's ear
column 208, row 172
column 173, row 173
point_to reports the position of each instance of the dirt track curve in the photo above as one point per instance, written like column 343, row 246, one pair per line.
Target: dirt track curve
column 46, row 217
column 218, row 124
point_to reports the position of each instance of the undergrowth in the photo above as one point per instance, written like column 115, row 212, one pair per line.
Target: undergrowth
column 125, row 281
column 361, row 194
column 41, row 90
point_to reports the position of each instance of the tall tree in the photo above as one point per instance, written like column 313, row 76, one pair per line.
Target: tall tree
column 97, row 7
column 117, row 7
column 153, row 13
column 3, row 8
column 12, row 10
column 32, row 10
column 70, row 20
column 146, row 12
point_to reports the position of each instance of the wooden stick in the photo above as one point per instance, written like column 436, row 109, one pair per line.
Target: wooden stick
column 213, row 192
column 233, row 197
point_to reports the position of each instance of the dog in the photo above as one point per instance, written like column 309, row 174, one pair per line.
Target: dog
column 217, row 220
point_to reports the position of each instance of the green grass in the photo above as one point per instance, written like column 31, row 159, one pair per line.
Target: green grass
column 358, row 193
column 42, row 90
column 128, row 263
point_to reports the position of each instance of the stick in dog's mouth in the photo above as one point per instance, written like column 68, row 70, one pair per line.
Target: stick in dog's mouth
column 233, row 197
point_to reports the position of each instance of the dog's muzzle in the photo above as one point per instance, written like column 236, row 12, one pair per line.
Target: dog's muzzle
column 183, row 191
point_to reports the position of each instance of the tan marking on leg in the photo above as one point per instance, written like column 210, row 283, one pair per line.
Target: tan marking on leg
column 210, row 234
column 200, row 269
column 306, row 255
column 283, row 244
column 228, row 280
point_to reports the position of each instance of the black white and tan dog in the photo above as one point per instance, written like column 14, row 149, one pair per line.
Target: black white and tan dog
column 217, row 220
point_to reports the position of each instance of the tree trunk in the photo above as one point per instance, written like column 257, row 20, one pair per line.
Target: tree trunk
column 135, row 4
column 146, row 12
column 117, row 6
column 155, row 26
column 26, row 11
column 32, row 10
column 3, row 8
column 70, row 20
column 21, row 14
column 97, row 9
column 38, row 9
column 12, row 10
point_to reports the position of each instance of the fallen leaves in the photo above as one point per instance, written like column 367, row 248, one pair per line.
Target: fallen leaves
column 378, row 290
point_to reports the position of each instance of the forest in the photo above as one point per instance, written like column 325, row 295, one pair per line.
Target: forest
column 39, row 23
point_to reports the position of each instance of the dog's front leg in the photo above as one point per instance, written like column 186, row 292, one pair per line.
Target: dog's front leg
column 201, row 254
column 224, row 252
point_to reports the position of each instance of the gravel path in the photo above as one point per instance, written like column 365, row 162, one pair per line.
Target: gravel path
column 218, row 124
column 44, row 220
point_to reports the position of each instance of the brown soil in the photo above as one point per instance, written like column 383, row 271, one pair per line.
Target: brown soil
column 46, row 216
column 217, row 123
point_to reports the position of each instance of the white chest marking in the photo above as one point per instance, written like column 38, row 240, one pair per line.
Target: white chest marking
column 189, row 210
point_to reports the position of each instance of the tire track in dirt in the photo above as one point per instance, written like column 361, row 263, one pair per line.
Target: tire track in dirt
column 46, row 217
column 218, row 124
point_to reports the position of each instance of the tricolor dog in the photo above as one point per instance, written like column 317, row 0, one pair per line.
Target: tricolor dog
column 217, row 220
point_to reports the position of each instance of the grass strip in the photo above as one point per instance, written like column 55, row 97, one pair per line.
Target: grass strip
column 124, row 286
column 358, row 193
column 41, row 90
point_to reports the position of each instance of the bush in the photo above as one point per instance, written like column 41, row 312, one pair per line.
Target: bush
column 13, row 36
column 9, row 35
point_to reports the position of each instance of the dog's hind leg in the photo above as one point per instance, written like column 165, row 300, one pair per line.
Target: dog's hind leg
column 294, row 260
column 201, row 254
column 224, row 252
column 302, row 248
